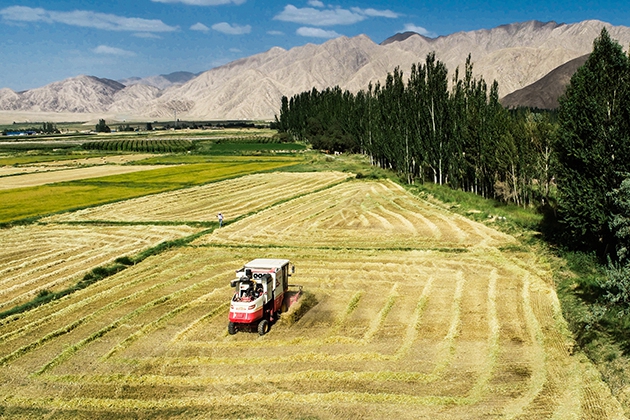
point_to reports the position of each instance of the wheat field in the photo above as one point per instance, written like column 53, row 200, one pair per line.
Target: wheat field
column 414, row 312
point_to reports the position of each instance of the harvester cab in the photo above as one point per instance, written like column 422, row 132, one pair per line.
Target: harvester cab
column 261, row 294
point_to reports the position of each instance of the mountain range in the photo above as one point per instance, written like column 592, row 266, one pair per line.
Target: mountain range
column 532, row 62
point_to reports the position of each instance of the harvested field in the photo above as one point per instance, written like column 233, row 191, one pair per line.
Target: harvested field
column 360, row 214
column 40, row 177
column 235, row 198
column 419, row 314
column 43, row 257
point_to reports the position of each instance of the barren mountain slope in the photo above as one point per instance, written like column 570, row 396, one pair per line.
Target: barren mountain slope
column 516, row 55
column 78, row 94
column 161, row 81
column 134, row 97
column 544, row 93
column 9, row 99
column 261, row 80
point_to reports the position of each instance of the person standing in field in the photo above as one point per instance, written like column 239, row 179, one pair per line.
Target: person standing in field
column 220, row 216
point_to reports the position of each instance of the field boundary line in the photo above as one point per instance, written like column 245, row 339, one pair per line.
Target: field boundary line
column 298, row 357
column 74, row 262
column 109, row 269
column 83, row 302
column 227, row 379
column 445, row 250
column 136, row 405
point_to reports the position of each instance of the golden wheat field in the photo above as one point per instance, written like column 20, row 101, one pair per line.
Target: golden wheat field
column 414, row 313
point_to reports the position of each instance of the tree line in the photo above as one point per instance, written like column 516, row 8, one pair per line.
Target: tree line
column 427, row 131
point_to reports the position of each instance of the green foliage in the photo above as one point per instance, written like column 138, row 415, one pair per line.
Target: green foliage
column 620, row 223
column 49, row 128
column 616, row 286
column 593, row 145
column 102, row 127
column 140, row 145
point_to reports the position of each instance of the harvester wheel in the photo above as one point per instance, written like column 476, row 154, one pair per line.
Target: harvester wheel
column 263, row 327
column 231, row 328
column 284, row 307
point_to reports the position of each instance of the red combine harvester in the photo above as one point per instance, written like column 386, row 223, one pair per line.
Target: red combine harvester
column 261, row 294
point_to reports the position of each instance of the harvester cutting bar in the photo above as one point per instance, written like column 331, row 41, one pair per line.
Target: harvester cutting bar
column 292, row 296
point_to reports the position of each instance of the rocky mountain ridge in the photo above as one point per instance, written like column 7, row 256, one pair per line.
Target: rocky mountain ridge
column 516, row 55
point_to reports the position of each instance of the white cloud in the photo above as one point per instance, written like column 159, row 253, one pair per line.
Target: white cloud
column 25, row 14
column 229, row 29
column 310, row 16
column 331, row 16
column 86, row 19
column 410, row 27
column 104, row 49
column 147, row 35
column 316, row 33
column 199, row 27
column 316, row 3
column 376, row 13
column 201, row 2
column 278, row 33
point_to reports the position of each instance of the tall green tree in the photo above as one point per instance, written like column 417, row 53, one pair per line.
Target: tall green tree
column 616, row 286
column 102, row 127
column 593, row 147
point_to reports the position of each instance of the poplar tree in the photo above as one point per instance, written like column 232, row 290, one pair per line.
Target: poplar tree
column 592, row 147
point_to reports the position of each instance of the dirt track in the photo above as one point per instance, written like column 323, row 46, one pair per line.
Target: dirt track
column 420, row 314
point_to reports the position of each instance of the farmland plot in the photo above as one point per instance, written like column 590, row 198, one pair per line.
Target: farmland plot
column 358, row 215
column 69, row 174
column 436, row 322
column 234, row 198
column 39, row 257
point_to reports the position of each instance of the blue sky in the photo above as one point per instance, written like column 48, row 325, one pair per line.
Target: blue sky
column 51, row 40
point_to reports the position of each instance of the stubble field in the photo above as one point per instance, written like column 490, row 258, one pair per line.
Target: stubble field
column 416, row 313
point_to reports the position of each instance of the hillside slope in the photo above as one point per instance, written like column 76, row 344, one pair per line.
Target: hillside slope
column 544, row 93
column 516, row 55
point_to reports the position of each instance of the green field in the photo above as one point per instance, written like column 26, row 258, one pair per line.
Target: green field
column 28, row 203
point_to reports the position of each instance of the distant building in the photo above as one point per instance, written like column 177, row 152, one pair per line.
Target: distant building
column 21, row 133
